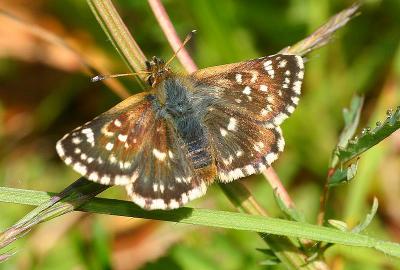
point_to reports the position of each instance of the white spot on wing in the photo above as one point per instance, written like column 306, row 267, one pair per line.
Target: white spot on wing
column 254, row 76
column 112, row 159
column 261, row 167
column 250, row 169
column 282, row 63
column 232, row 124
column 68, row 160
column 94, row 176
column 271, row 157
column 109, row 146
column 258, row 146
column 89, row 135
column 281, row 144
column 105, row 180
column 247, row 90
column 300, row 62
column 263, row 88
column 297, row 87
column 290, row 109
column 238, row 78
column 158, row 154
column 122, row 137
column 117, row 123
column 295, row 100
column 227, row 161
column 60, row 149
column 106, row 132
column 80, row 168
column 223, row 132
column 239, row 153
column 173, row 204
column 271, row 73
column 264, row 112
column 280, row 118
column 267, row 64
column 76, row 140
column 121, row 180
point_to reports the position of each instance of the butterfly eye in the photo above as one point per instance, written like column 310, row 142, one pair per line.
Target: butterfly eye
column 148, row 65
column 150, row 80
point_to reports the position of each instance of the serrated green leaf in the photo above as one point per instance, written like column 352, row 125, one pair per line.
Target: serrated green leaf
column 370, row 138
column 363, row 225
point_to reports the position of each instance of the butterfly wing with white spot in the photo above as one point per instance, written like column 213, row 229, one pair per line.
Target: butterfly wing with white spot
column 168, row 178
column 241, row 147
column 252, row 99
column 105, row 150
column 267, row 89
column 129, row 145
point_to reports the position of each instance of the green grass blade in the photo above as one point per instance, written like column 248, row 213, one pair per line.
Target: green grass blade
column 213, row 218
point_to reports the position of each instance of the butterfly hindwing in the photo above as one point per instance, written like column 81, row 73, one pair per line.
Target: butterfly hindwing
column 267, row 89
column 168, row 178
column 131, row 145
column 241, row 147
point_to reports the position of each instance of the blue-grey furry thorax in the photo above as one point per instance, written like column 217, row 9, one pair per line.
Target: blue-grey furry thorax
column 185, row 110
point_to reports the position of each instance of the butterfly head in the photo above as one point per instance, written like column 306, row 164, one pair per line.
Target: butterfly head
column 158, row 71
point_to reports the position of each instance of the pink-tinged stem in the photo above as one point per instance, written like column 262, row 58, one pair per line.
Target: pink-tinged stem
column 171, row 35
column 276, row 184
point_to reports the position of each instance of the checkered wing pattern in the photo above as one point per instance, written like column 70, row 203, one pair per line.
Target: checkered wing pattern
column 129, row 145
column 254, row 98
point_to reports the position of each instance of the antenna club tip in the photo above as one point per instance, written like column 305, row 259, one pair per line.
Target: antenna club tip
column 97, row 78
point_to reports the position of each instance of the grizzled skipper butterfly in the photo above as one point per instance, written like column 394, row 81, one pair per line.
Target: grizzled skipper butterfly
column 168, row 144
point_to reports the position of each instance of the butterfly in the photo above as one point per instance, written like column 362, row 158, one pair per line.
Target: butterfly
column 168, row 144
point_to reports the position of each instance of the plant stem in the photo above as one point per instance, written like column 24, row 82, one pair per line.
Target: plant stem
column 163, row 19
column 210, row 217
column 117, row 32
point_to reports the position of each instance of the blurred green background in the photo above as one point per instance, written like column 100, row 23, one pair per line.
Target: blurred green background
column 44, row 94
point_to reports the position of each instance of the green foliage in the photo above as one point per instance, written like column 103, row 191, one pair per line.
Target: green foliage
column 362, row 58
column 370, row 138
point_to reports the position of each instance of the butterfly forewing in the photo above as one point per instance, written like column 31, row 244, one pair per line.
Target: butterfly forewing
column 267, row 89
column 108, row 148
column 254, row 98
column 132, row 146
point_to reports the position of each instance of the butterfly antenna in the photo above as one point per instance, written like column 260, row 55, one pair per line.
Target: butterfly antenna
column 104, row 77
column 188, row 37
